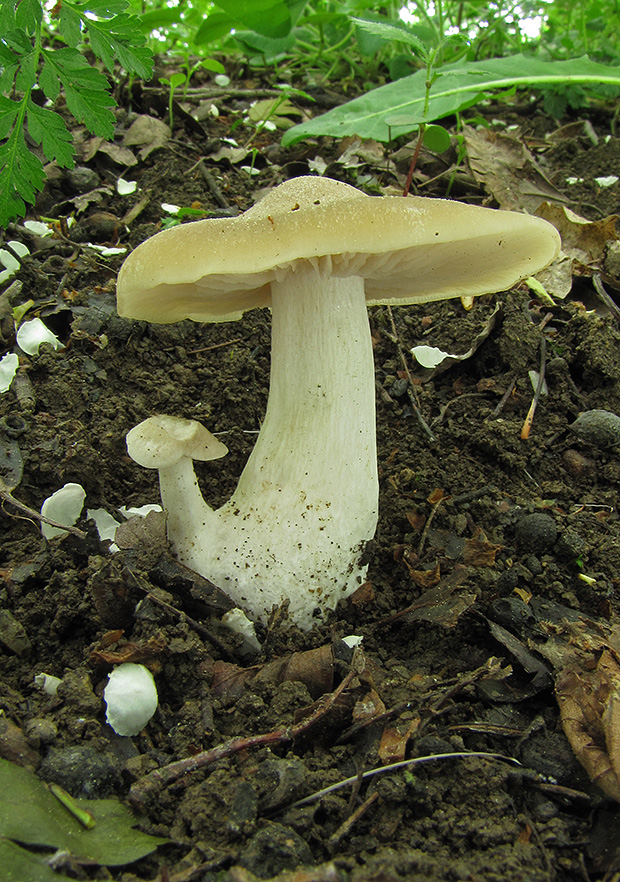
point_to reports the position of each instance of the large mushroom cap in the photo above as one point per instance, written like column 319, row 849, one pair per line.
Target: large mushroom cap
column 408, row 250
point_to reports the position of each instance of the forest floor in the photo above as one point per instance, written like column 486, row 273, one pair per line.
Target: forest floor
column 494, row 578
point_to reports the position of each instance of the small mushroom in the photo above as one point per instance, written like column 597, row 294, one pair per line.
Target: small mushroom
column 316, row 251
column 171, row 444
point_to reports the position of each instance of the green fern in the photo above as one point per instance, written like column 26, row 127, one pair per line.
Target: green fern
column 29, row 67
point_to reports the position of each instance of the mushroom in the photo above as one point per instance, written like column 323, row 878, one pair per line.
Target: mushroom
column 316, row 251
column 171, row 444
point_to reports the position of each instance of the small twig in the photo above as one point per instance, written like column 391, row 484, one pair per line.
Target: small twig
column 502, row 402
column 183, row 617
column 148, row 788
column 442, row 412
column 7, row 496
column 345, row 828
column 214, row 346
column 414, row 160
column 214, row 190
column 529, row 419
column 417, row 760
column 427, row 525
column 411, row 388
column 609, row 302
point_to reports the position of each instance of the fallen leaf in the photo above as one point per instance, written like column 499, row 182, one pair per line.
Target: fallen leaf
column 507, row 170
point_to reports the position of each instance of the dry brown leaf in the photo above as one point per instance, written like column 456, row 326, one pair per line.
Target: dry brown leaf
column 368, row 706
column 393, row 745
column 480, row 553
column 507, row 170
column 584, row 246
column 314, row 668
column 589, row 702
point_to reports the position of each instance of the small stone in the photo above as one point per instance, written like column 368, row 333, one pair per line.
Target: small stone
column 13, row 634
column 274, row 849
column 82, row 771
column 13, row 745
column 41, row 731
column 536, row 532
column 578, row 465
column 511, row 612
column 507, row 582
column 82, row 179
column 571, row 545
column 598, row 427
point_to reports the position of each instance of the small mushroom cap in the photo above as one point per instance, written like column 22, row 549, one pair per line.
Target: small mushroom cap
column 408, row 250
column 161, row 441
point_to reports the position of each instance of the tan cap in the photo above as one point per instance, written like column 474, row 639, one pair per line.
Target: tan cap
column 407, row 250
column 161, row 441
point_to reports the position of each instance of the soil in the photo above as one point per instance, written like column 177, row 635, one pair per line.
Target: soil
column 496, row 533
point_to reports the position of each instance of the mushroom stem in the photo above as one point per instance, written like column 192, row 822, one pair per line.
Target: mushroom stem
column 181, row 498
column 307, row 501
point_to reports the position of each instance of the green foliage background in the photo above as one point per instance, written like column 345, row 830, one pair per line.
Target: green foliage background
column 78, row 49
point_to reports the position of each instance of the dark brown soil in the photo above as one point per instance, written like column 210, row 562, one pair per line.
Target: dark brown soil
column 438, row 679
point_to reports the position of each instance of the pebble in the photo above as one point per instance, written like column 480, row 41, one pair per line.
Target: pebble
column 274, row 849
column 578, row 465
column 600, row 428
column 82, row 771
column 536, row 532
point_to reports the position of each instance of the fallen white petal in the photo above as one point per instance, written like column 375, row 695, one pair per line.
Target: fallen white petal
column 141, row 510
column 8, row 368
column 38, row 228
column 105, row 523
column 429, row 356
column 9, row 260
column 19, row 247
column 124, row 188
column 607, row 180
column 48, row 683
column 31, row 334
column 131, row 698
column 64, row 506
column 238, row 622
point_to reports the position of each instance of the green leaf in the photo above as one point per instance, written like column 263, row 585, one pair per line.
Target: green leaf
column 8, row 114
column 85, row 90
column 121, row 39
column 31, row 815
column 436, row 139
column 28, row 15
column 101, row 9
column 215, row 26
column 268, row 17
column 70, row 25
column 47, row 128
column 7, row 16
column 388, row 30
column 398, row 108
column 20, row 865
column 21, row 175
column 49, row 82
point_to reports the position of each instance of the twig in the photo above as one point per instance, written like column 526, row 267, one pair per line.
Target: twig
column 345, row 828
column 7, row 496
column 427, row 525
column 147, row 789
column 214, row 346
column 529, row 419
column 183, row 617
column 417, row 760
column 609, row 302
column 214, row 190
column 410, row 389
column 502, row 403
